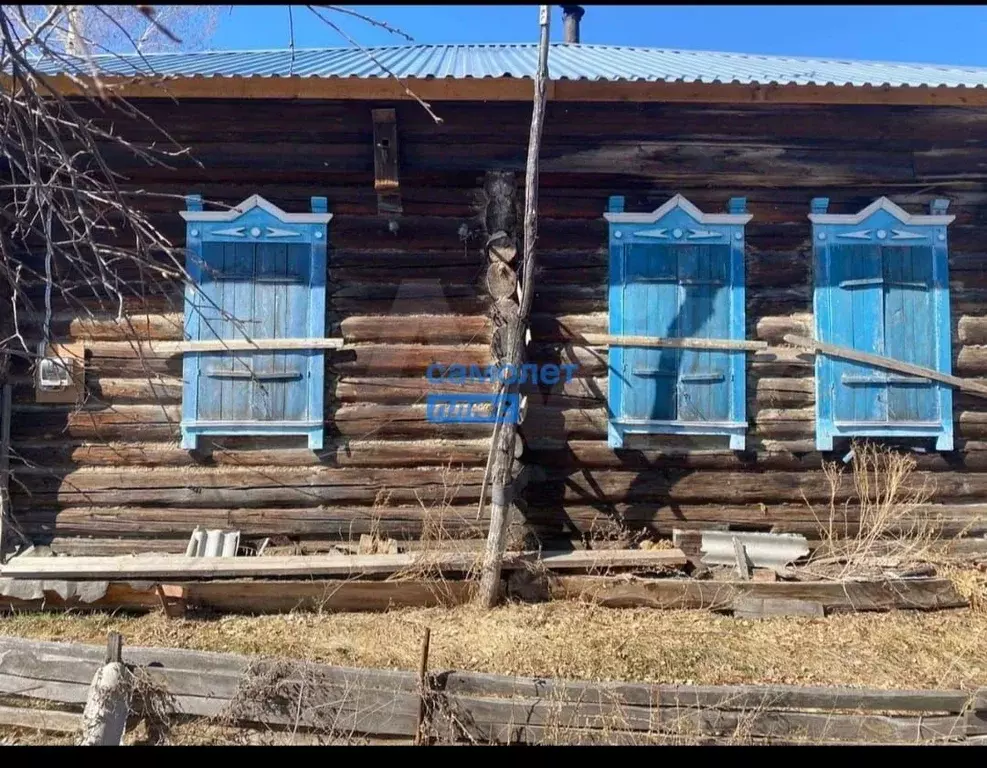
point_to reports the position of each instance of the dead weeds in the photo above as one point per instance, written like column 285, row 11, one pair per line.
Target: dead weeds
column 571, row 640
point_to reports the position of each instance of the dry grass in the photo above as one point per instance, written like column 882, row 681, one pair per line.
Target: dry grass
column 562, row 640
column 572, row 640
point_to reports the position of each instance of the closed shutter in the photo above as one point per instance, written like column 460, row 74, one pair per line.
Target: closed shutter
column 883, row 305
column 677, row 273
column 261, row 280
column 882, row 287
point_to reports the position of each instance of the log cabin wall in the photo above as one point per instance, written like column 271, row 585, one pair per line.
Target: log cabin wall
column 112, row 478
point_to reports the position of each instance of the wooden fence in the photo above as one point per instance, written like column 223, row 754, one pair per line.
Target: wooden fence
column 470, row 707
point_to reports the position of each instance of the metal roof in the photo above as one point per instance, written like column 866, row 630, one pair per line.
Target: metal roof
column 512, row 61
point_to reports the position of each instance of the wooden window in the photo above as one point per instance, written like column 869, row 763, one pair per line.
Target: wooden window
column 881, row 287
column 677, row 273
column 256, row 273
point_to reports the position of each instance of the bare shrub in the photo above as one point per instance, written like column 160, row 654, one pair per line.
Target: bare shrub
column 880, row 524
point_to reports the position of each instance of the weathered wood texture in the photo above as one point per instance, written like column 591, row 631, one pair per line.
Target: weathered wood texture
column 403, row 300
column 179, row 568
column 470, row 706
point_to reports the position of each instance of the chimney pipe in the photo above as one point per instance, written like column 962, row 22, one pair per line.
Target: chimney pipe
column 571, row 14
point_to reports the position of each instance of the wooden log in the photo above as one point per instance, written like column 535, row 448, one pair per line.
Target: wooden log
column 416, row 329
column 229, row 487
column 920, row 594
column 362, row 421
column 339, row 523
column 155, row 528
column 972, row 330
column 501, row 280
column 403, row 390
column 664, row 517
column 609, row 487
column 251, row 487
column 503, row 442
column 254, row 452
column 119, row 359
column 504, row 252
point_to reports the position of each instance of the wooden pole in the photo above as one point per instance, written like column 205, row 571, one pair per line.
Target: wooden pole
column 4, row 468
column 503, row 447
column 104, row 718
column 421, row 737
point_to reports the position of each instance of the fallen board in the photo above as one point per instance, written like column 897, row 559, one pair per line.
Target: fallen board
column 834, row 596
column 175, row 568
column 262, row 596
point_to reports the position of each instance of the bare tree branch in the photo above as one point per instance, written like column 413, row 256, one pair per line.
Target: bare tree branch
column 375, row 22
column 427, row 107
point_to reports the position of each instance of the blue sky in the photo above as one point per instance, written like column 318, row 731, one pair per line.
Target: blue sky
column 922, row 33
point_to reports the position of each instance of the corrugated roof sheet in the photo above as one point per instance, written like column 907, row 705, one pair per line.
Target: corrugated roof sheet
column 566, row 62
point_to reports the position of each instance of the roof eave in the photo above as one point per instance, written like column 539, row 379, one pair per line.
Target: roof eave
column 519, row 89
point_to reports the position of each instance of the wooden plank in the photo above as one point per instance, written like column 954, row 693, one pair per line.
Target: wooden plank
column 161, row 348
column 763, row 607
column 176, row 568
column 516, row 90
column 920, row 594
column 886, row 362
column 675, row 343
column 534, row 720
column 40, row 719
column 501, row 707
column 5, row 509
column 35, row 658
column 735, row 697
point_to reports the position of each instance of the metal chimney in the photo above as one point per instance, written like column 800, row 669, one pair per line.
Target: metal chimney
column 571, row 14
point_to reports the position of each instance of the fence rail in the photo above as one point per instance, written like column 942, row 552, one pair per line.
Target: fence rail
column 483, row 708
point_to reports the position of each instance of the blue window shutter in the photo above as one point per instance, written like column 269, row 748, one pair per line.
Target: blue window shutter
column 256, row 273
column 881, row 287
column 677, row 273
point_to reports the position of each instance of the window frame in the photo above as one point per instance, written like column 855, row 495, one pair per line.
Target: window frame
column 255, row 220
column 669, row 225
column 873, row 225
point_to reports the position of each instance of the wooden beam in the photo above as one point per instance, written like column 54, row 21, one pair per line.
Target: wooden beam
column 174, row 568
column 852, row 596
column 889, row 363
column 503, row 445
column 40, row 719
column 515, row 89
column 674, row 343
column 6, row 398
column 386, row 162
column 238, row 345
